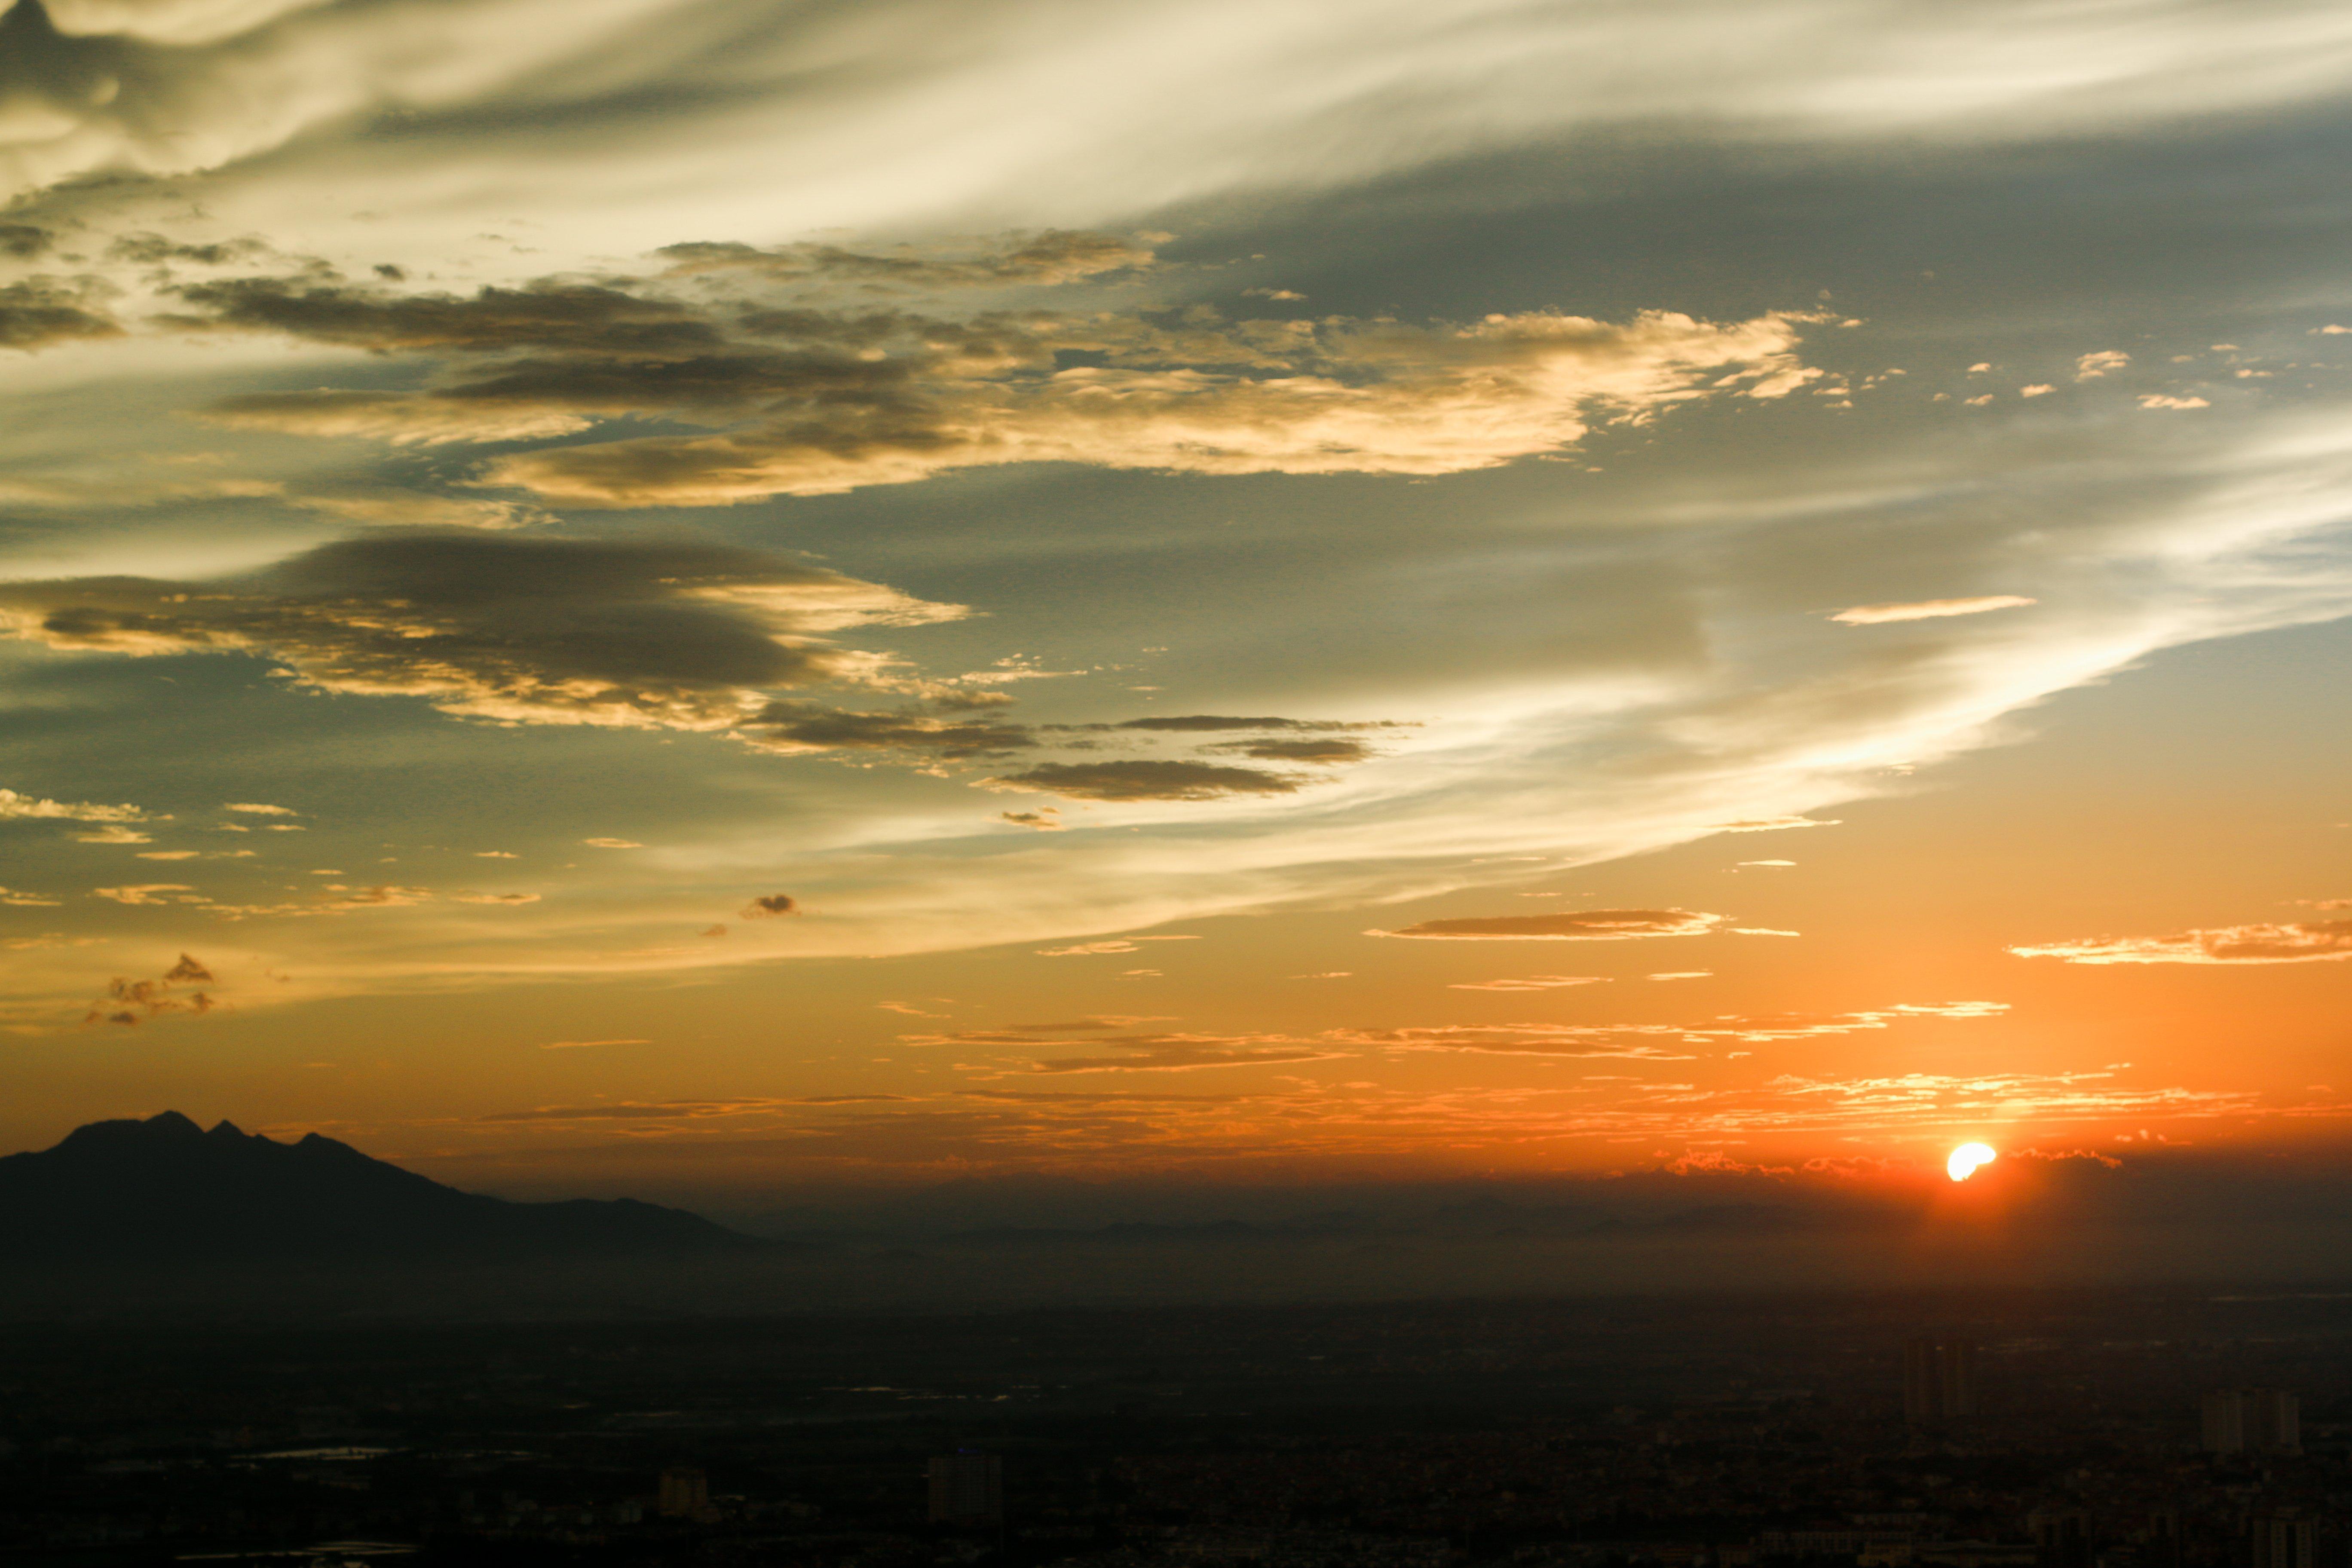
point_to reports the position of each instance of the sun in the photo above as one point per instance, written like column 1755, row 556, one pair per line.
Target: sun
column 1967, row 1158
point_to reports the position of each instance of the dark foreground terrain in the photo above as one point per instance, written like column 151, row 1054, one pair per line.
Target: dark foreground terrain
column 1718, row 1431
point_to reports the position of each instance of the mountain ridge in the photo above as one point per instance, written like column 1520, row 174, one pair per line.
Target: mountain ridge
column 167, row 1190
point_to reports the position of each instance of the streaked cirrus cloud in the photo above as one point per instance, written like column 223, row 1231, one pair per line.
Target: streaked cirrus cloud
column 1587, row 925
column 2311, row 942
column 1929, row 609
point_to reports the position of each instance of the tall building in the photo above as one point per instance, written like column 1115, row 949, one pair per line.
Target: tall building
column 2283, row 1542
column 2257, row 1420
column 685, row 1493
column 1939, row 1378
column 2223, row 1423
column 1959, row 1377
column 967, row 1490
column 2273, row 1421
column 2061, row 1537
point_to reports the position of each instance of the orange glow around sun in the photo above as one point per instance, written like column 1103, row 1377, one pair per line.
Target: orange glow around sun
column 1965, row 1160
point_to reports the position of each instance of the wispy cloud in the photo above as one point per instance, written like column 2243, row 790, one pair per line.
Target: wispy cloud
column 1588, row 925
column 1929, row 609
column 2314, row 942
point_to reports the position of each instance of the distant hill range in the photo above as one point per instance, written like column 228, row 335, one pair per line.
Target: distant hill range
column 167, row 1191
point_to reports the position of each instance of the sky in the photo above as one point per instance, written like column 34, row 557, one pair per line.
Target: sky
column 725, row 597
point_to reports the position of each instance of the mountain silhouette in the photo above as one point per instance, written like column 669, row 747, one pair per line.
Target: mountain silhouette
column 167, row 1191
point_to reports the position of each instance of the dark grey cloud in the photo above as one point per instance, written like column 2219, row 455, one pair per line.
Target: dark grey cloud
column 23, row 241
column 539, row 630
column 1186, row 723
column 1331, row 752
column 1051, row 256
column 1149, row 780
column 796, row 725
column 131, row 1002
column 1586, row 925
column 41, row 311
column 551, row 315
column 768, row 906
column 155, row 249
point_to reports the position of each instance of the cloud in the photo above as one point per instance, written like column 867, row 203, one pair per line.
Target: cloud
column 1334, row 752
column 540, row 631
column 2159, row 401
column 1052, row 257
column 612, row 844
column 1686, row 974
column 1929, row 609
column 1113, row 944
column 257, row 809
column 1048, row 820
column 131, row 1002
column 16, row 807
column 796, row 726
column 547, row 316
column 677, row 1109
column 146, row 893
column 1339, row 397
column 1530, row 982
column 41, row 312
column 768, row 906
column 814, row 401
column 393, row 506
column 113, row 833
column 1623, row 1040
column 2313, row 942
column 1588, row 925
column 1597, row 1042
column 19, row 899
column 1189, row 723
column 1149, row 1053
column 383, row 896
column 1772, row 824
column 511, row 899
column 1148, row 780
column 2103, row 361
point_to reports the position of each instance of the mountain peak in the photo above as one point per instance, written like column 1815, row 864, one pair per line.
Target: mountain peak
column 165, row 1188
column 168, row 1127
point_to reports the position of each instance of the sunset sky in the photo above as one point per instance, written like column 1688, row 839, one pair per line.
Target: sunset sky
column 675, row 597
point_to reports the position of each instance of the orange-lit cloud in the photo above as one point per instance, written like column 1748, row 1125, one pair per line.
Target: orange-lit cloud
column 14, row 806
column 1588, row 925
column 813, row 400
column 2295, row 943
